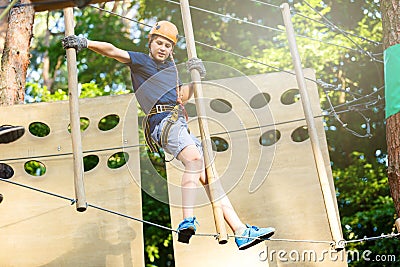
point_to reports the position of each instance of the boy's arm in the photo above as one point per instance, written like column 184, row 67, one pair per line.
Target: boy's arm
column 109, row 50
column 103, row 48
column 186, row 92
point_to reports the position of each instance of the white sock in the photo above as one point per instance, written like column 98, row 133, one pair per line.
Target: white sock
column 240, row 231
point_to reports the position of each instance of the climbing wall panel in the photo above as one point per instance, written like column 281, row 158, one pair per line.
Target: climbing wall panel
column 265, row 162
column 38, row 229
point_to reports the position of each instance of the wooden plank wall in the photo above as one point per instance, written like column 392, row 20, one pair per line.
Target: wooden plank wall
column 273, row 185
column 41, row 230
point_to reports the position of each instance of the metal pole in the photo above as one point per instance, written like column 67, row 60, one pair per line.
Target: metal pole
column 81, row 204
column 322, row 172
column 211, row 171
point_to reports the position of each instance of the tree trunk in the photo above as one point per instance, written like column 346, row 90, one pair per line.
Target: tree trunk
column 390, row 10
column 47, row 81
column 15, row 59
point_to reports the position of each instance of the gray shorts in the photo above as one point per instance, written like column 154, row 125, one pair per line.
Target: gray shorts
column 178, row 137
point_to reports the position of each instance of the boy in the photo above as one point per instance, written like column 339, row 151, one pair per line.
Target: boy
column 161, row 96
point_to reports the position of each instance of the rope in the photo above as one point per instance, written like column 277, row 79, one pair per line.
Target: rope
column 324, row 85
column 382, row 236
column 361, row 51
column 70, row 153
column 267, row 4
column 330, row 25
column 319, row 82
column 118, row 15
column 211, row 134
column 89, row 205
column 132, row 218
column 229, row 17
column 73, row 201
column 39, row 190
column 342, row 32
column 336, row 28
column 5, row 11
column 344, row 125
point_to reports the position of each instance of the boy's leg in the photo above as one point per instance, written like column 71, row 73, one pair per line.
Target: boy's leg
column 246, row 235
column 191, row 159
column 229, row 212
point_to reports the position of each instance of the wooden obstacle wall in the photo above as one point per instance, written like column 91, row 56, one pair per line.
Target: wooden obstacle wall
column 42, row 230
column 269, row 183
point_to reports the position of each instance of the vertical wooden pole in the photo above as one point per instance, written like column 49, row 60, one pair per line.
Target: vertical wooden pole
column 211, row 171
column 74, row 114
column 397, row 223
column 319, row 161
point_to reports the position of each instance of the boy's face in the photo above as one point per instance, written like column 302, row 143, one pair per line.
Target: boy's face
column 160, row 48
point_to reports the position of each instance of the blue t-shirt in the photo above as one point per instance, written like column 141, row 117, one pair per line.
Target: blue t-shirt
column 154, row 83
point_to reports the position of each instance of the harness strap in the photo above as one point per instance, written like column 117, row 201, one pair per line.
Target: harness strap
column 164, row 133
column 153, row 146
column 160, row 109
column 147, row 135
column 167, row 126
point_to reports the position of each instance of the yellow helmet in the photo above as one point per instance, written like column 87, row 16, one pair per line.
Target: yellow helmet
column 165, row 29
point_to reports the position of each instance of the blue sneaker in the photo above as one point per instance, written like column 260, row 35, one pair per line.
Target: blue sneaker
column 186, row 229
column 253, row 235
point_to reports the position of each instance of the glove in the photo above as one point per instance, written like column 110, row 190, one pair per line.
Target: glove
column 196, row 64
column 74, row 41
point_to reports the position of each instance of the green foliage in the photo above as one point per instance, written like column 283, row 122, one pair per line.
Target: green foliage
column 89, row 162
column 366, row 207
column 109, row 122
column 117, row 160
column 34, row 92
column 39, row 129
column 158, row 243
column 35, row 168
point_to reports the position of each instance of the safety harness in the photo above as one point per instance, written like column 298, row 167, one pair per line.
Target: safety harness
column 174, row 110
column 163, row 140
